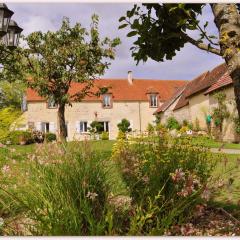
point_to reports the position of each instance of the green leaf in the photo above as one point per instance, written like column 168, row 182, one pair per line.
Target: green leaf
column 131, row 34
column 205, row 25
column 123, row 26
column 121, row 19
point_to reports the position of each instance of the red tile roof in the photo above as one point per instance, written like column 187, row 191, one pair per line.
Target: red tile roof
column 183, row 101
column 223, row 81
column 201, row 83
column 121, row 90
column 209, row 79
column 169, row 102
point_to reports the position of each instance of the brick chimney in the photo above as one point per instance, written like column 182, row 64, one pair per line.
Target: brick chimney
column 130, row 78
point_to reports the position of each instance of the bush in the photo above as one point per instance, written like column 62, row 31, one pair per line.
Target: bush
column 172, row 123
column 19, row 137
column 121, row 135
column 150, row 128
column 8, row 116
column 166, row 178
column 124, row 126
column 50, row 137
column 105, row 136
column 38, row 136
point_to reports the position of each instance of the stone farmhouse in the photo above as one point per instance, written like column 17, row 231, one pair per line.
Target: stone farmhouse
column 195, row 100
column 133, row 99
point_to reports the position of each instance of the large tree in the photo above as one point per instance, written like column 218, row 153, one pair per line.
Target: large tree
column 72, row 54
column 163, row 29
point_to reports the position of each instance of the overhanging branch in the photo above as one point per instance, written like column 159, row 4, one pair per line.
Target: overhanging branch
column 201, row 46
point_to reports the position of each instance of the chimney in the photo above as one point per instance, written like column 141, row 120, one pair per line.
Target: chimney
column 130, row 78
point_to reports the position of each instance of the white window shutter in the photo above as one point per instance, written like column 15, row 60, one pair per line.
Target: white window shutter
column 39, row 126
column 78, row 126
column 52, row 127
column 131, row 124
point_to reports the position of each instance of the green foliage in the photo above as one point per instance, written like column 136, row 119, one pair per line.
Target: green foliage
column 163, row 29
column 66, row 192
column 11, row 93
column 196, row 125
column 50, row 137
column 70, row 54
column 124, row 126
column 105, row 136
column 166, row 177
column 8, row 116
column 221, row 112
column 121, row 135
column 95, row 127
column 19, row 137
column 158, row 118
column 172, row 123
column 150, row 128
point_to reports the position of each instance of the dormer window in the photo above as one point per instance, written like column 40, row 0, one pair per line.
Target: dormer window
column 153, row 100
column 107, row 101
column 51, row 103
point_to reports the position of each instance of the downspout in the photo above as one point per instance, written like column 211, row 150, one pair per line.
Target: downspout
column 140, row 117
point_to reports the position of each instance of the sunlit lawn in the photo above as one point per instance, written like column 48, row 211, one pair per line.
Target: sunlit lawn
column 207, row 142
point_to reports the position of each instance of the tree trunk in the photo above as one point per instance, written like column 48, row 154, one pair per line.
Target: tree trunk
column 227, row 20
column 61, row 123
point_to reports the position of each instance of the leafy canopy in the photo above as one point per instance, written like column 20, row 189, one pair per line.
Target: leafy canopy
column 124, row 126
column 71, row 54
column 162, row 29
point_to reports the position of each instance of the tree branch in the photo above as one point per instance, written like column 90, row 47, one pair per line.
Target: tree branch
column 201, row 46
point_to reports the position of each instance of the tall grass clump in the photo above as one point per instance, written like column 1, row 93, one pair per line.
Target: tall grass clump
column 66, row 192
column 167, row 179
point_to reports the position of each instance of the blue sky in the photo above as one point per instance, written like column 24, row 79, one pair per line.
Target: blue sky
column 188, row 63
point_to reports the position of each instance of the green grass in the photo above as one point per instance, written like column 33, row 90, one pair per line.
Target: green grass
column 228, row 168
column 208, row 142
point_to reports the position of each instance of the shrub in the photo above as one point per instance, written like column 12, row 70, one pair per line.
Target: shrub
column 184, row 129
column 166, row 178
column 38, row 136
column 150, row 128
column 197, row 125
column 105, row 136
column 172, row 123
column 8, row 116
column 124, row 126
column 19, row 137
column 50, row 137
column 121, row 135
column 185, row 123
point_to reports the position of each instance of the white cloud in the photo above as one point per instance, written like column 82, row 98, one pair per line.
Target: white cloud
column 188, row 63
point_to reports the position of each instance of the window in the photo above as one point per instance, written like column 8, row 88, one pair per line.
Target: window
column 45, row 127
column 104, row 127
column 51, row 103
column 107, row 101
column 153, row 100
column 83, row 127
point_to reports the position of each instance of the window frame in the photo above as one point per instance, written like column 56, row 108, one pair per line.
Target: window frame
column 156, row 98
column 110, row 101
column 83, row 122
column 54, row 105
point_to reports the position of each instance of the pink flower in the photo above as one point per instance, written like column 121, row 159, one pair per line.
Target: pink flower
column 178, row 175
column 206, row 194
column 5, row 169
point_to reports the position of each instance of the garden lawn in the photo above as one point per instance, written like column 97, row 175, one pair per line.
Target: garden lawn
column 208, row 142
column 228, row 196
